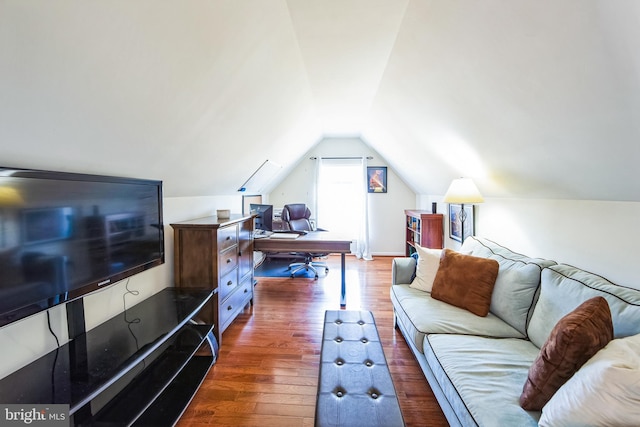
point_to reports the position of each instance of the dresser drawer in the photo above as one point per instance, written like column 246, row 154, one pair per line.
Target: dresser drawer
column 234, row 304
column 218, row 254
column 228, row 260
column 228, row 284
column 227, row 237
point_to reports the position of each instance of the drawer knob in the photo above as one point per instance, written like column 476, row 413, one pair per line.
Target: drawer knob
column 246, row 290
column 230, row 283
column 229, row 260
column 228, row 237
column 229, row 308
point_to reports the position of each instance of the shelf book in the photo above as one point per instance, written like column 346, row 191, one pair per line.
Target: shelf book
column 423, row 228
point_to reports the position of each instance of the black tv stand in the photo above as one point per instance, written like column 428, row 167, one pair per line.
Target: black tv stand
column 141, row 367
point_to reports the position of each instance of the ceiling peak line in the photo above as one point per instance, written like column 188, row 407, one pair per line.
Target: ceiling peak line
column 342, row 158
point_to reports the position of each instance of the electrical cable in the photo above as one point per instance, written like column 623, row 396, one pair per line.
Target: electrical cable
column 132, row 321
column 55, row 359
column 51, row 329
column 124, row 303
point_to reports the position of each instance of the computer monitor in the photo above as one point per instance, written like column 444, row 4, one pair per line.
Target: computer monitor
column 264, row 220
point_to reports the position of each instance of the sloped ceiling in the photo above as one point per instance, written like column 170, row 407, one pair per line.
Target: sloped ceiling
column 531, row 99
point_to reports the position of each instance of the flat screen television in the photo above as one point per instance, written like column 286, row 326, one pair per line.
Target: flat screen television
column 64, row 235
column 264, row 218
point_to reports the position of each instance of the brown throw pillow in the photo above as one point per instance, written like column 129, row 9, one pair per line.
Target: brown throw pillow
column 465, row 281
column 575, row 338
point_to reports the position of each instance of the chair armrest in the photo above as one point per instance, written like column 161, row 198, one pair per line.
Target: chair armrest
column 402, row 270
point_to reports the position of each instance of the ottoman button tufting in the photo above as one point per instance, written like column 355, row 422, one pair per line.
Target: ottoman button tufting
column 354, row 355
column 374, row 393
column 340, row 392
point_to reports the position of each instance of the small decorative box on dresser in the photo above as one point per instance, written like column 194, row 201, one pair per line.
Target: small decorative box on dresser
column 425, row 229
column 217, row 254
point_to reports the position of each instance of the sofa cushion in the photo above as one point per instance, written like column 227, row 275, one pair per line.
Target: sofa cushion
column 517, row 282
column 482, row 377
column 564, row 287
column 426, row 268
column 577, row 336
column 420, row 314
column 604, row 391
column 514, row 292
column 465, row 281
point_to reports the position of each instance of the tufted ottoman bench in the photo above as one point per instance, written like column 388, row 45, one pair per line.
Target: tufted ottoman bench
column 354, row 384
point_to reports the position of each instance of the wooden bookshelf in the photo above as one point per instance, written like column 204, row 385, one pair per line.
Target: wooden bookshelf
column 424, row 228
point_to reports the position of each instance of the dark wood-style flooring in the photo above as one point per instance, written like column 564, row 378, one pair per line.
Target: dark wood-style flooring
column 267, row 372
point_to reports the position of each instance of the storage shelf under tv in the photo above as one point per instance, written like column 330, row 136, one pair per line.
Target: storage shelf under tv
column 141, row 367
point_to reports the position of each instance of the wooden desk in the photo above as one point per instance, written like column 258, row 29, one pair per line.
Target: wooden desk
column 315, row 242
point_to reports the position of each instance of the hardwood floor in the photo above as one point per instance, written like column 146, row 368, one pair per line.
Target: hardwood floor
column 267, row 372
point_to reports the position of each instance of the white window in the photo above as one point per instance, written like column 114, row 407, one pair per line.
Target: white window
column 342, row 200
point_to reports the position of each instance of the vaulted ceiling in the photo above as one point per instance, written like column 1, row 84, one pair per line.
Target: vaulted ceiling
column 531, row 99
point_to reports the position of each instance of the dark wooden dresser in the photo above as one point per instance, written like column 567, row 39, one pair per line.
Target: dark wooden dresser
column 217, row 254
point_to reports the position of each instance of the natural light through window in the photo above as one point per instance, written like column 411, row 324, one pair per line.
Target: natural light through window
column 342, row 200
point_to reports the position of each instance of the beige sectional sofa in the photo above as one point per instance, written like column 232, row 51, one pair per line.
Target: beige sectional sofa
column 478, row 365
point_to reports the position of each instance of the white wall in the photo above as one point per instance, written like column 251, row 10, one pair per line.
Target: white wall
column 593, row 235
column 386, row 210
column 28, row 339
column 597, row 236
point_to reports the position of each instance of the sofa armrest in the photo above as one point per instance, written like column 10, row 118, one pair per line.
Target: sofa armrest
column 402, row 270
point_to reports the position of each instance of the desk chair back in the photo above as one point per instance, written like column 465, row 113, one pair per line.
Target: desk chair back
column 296, row 216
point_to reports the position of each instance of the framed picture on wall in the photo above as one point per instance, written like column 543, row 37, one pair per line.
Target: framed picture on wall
column 461, row 222
column 377, row 179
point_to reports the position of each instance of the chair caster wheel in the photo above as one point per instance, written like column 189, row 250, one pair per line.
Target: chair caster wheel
column 291, row 276
column 316, row 277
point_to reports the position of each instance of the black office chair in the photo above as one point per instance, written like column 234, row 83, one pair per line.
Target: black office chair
column 296, row 216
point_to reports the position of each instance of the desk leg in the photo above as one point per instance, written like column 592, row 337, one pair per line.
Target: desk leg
column 343, row 290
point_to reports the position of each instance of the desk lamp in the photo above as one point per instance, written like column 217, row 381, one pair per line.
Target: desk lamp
column 463, row 190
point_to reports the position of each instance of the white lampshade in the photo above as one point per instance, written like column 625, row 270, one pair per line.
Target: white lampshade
column 463, row 190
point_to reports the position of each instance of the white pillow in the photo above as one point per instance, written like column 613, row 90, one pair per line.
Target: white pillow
column 426, row 268
column 604, row 392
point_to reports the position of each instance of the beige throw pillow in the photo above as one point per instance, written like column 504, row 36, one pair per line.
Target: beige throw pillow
column 426, row 268
column 604, row 392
